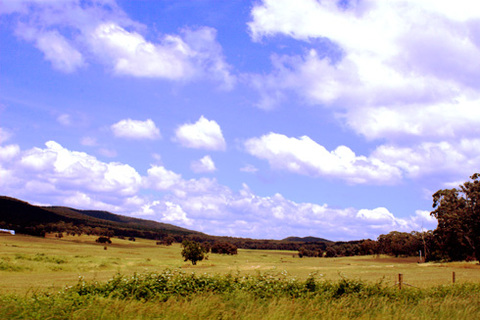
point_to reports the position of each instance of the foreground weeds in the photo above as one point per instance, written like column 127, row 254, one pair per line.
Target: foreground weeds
column 179, row 295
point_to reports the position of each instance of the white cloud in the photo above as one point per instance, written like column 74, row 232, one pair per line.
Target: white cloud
column 64, row 174
column 196, row 54
column 382, row 218
column 136, row 129
column 204, row 164
column 59, row 52
column 69, row 32
column 223, row 212
column 203, row 134
column 9, row 152
column 305, row 156
column 59, row 176
column 56, row 48
column 451, row 159
column 160, row 178
column 131, row 54
column 399, row 67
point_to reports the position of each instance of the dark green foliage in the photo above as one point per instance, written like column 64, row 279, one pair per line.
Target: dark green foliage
column 458, row 215
column 400, row 243
column 162, row 286
column 224, row 248
column 330, row 252
column 166, row 241
column 306, row 251
column 193, row 251
column 103, row 240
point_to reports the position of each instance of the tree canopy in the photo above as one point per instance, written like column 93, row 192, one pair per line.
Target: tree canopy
column 193, row 251
column 458, row 215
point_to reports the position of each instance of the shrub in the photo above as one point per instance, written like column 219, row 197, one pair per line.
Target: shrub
column 103, row 240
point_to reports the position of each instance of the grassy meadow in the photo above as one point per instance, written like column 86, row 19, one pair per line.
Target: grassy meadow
column 266, row 284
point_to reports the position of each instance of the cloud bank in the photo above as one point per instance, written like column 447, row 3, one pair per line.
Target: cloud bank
column 71, row 178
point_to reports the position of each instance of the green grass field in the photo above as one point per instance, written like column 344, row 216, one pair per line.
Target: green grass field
column 30, row 262
column 34, row 270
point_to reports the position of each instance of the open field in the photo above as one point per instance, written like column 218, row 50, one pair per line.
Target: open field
column 262, row 285
column 28, row 263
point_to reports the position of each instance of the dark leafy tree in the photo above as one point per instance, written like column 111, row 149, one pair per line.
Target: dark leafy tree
column 224, row 248
column 458, row 215
column 166, row 241
column 103, row 240
column 400, row 243
column 330, row 252
column 309, row 251
column 193, row 251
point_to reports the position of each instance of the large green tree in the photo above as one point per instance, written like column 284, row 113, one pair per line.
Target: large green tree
column 458, row 215
column 193, row 251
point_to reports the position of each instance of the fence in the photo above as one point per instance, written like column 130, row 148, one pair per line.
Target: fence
column 400, row 283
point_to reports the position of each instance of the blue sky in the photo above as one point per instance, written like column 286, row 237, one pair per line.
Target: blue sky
column 262, row 119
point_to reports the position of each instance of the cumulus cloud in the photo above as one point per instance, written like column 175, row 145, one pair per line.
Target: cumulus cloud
column 452, row 159
column 131, row 54
column 221, row 211
column 203, row 134
column 159, row 178
column 136, row 129
column 399, row 67
column 69, row 33
column 66, row 174
column 204, row 164
column 305, row 156
column 63, row 177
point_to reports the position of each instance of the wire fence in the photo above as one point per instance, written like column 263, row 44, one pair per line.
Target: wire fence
column 400, row 283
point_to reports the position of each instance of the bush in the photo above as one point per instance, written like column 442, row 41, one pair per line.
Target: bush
column 103, row 240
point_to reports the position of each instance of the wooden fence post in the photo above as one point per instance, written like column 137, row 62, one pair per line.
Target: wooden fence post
column 400, row 280
column 453, row 276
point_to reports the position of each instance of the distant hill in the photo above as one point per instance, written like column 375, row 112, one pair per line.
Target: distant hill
column 307, row 239
column 26, row 218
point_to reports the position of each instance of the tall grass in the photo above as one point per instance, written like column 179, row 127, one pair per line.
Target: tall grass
column 180, row 295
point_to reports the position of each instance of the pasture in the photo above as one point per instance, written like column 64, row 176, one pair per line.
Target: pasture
column 35, row 271
column 28, row 263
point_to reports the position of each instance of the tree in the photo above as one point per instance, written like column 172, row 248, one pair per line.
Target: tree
column 103, row 240
column 458, row 215
column 192, row 251
column 224, row 248
column 167, row 241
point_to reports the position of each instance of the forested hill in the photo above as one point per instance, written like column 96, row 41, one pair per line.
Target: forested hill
column 307, row 239
column 30, row 219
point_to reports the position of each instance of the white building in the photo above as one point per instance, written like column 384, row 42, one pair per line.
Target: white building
column 12, row 232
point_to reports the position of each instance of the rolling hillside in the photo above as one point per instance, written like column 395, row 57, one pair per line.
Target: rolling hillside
column 27, row 218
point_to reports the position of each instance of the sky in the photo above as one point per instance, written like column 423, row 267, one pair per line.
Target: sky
column 260, row 119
